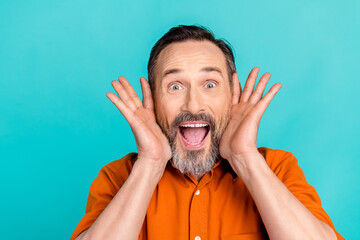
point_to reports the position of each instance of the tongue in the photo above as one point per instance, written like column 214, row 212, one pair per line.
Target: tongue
column 194, row 134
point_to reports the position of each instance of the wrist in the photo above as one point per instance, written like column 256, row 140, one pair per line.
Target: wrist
column 149, row 169
column 246, row 164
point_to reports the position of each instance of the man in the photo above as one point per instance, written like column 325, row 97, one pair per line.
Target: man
column 198, row 173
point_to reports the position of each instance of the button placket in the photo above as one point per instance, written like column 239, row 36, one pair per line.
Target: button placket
column 196, row 216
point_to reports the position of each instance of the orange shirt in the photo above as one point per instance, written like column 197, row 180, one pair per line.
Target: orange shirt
column 217, row 207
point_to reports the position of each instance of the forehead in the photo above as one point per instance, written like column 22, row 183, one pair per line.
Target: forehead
column 190, row 55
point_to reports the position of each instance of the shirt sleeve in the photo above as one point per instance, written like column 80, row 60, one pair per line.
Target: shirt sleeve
column 285, row 166
column 102, row 190
column 101, row 193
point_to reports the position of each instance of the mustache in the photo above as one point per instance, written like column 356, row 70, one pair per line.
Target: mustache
column 184, row 117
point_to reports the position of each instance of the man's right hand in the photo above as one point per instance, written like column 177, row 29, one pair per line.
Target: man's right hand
column 124, row 215
column 153, row 146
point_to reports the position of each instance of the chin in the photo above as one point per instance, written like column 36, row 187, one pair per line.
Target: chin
column 194, row 162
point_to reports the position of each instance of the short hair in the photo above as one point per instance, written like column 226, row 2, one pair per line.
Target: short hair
column 183, row 33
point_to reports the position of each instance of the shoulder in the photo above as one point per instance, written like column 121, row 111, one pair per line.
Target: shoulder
column 118, row 170
column 126, row 162
column 273, row 153
column 280, row 161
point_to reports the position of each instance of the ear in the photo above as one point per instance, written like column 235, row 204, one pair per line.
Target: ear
column 236, row 89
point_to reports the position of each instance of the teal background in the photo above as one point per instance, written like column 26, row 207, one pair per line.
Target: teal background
column 57, row 128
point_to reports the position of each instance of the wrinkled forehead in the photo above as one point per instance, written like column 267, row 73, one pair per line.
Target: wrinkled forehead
column 189, row 56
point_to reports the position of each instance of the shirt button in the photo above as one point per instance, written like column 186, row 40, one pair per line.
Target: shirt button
column 197, row 237
column 197, row 193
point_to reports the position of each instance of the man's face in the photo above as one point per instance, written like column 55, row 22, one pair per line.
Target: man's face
column 192, row 102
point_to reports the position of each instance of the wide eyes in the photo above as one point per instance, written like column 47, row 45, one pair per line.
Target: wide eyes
column 210, row 85
column 177, row 86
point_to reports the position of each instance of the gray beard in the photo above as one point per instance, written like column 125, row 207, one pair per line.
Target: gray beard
column 195, row 162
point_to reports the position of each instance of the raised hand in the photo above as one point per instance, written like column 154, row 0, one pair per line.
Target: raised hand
column 239, row 138
column 151, row 143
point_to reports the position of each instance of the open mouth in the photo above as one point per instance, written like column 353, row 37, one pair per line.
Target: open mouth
column 193, row 134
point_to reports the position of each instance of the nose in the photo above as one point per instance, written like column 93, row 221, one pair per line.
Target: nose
column 194, row 102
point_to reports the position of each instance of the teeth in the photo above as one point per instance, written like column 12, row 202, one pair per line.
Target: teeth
column 195, row 125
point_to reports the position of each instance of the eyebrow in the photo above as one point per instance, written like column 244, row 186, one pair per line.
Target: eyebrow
column 205, row 69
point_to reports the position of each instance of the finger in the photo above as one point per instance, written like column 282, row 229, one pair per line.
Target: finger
column 260, row 88
column 125, row 110
column 130, row 91
column 146, row 92
column 124, row 96
column 236, row 89
column 249, row 85
column 265, row 101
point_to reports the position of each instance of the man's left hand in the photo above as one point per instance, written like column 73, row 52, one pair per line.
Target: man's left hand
column 239, row 138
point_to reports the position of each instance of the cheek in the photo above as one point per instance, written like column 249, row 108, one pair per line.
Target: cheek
column 219, row 104
column 167, row 110
column 222, row 110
